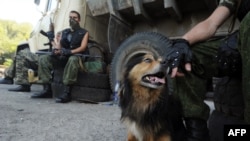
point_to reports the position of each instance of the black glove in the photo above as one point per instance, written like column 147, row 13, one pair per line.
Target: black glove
column 178, row 53
column 65, row 52
column 229, row 58
column 54, row 51
column 50, row 35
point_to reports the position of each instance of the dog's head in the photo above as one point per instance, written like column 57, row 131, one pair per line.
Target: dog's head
column 147, row 70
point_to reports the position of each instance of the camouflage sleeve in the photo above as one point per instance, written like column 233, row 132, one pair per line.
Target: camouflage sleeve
column 230, row 4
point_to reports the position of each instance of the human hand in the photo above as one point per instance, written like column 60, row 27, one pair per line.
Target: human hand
column 56, row 51
column 65, row 52
column 179, row 54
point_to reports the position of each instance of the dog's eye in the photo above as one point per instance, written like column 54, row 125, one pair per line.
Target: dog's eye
column 147, row 60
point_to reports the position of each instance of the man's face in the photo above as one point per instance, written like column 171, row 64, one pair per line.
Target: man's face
column 73, row 16
column 74, row 21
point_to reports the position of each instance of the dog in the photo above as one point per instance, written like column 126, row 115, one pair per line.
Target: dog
column 149, row 112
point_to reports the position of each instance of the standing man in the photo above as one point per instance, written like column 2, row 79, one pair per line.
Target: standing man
column 73, row 41
column 200, row 60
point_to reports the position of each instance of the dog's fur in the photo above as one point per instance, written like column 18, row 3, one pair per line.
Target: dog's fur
column 148, row 111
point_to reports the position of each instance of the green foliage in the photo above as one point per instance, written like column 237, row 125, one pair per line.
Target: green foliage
column 11, row 34
column 8, row 62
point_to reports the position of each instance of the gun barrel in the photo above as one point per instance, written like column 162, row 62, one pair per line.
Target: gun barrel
column 80, row 55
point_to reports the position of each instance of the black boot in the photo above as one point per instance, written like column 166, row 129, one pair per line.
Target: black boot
column 6, row 80
column 197, row 129
column 45, row 93
column 21, row 88
column 65, row 97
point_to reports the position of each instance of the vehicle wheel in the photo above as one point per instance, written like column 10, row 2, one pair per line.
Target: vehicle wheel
column 83, row 93
column 96, row 51
column 93, row 80
column 91, row 94
column 139, row 43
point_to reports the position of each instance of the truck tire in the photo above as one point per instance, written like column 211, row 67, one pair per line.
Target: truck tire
column 83, row 93
column 91, row 94
column 144, row 42
column 93, row 80
column 96, row 51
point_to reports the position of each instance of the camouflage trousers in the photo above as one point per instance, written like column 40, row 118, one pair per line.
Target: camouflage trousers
column 48, row 63
column 18, row 70
column 191, row 89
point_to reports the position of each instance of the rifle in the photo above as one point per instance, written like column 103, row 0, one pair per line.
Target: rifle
column 49, row 43
column 78, row 54
column 48, row 35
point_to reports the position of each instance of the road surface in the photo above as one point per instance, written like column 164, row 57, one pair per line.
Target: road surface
column 26, row 119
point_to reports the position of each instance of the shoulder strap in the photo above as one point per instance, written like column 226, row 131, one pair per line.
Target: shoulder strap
column 231, row 26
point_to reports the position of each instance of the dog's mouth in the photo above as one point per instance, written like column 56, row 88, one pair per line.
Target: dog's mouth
column 154, row 80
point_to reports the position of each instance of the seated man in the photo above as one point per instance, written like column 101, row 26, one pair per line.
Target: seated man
column 17, row 72
column 73, row 41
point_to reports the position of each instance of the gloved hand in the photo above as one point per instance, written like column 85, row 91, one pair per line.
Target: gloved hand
column 50, row 35
column 65, row 52
column 55, row 51
column 179, row 54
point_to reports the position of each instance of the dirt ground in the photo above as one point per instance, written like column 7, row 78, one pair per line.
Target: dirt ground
column 26, row 119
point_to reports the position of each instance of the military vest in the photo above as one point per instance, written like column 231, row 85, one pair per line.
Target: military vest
column 73, row 39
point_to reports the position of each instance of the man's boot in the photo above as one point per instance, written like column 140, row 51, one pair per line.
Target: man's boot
column 45, row 93
column 197, row 129
column 6, row 80
column 65, row 97
column 21, row 88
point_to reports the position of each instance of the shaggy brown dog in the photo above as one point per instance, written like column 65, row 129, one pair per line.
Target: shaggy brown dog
column 148, row 111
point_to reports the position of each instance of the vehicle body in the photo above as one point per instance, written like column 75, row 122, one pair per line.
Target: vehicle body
column 110, row 22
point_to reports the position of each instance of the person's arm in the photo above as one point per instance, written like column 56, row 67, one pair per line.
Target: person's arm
column 202, row 31
column 207, row 28
column 83, row 44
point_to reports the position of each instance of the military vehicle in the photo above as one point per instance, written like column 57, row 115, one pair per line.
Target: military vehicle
column 110, row 23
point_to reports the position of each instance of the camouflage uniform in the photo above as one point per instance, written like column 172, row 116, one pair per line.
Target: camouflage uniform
column 47, row 63
column 18, row 70
column 192, row 88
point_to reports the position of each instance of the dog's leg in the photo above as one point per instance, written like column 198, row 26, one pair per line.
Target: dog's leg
column 148, row 138
column 164, row 138
column 131, row 137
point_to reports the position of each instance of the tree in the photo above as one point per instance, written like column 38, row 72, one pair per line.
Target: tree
column 11, row 34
